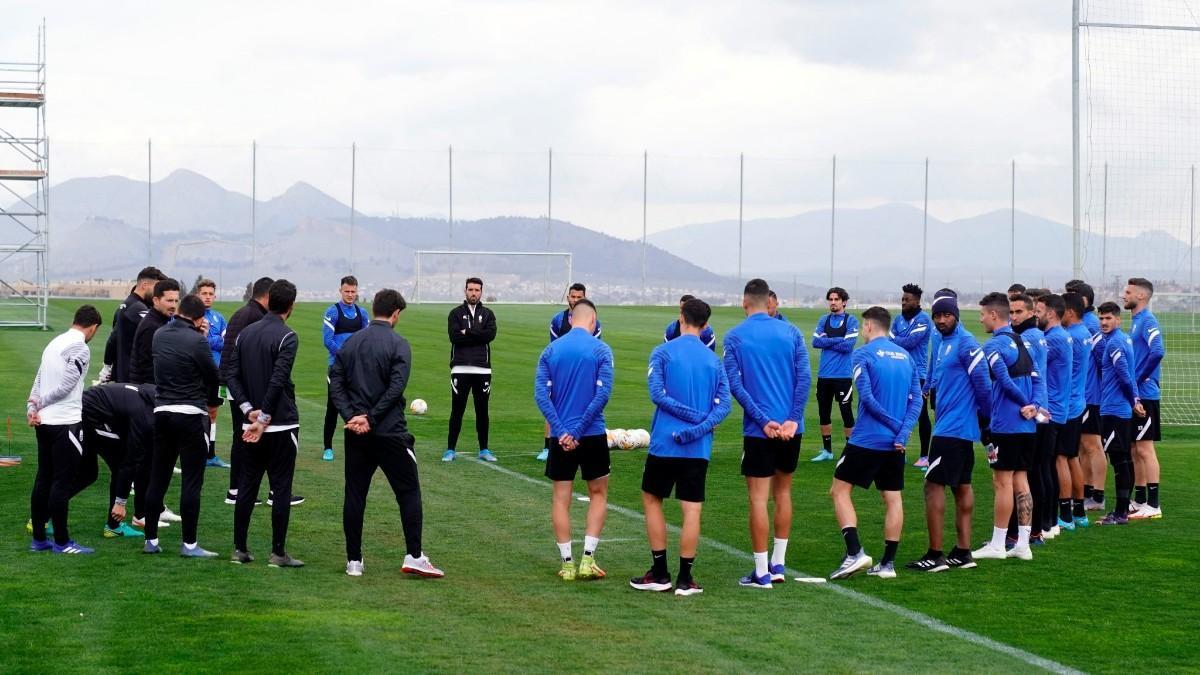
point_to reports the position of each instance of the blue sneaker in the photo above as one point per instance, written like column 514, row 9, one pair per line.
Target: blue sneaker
column 328, row 455
column 151, row 548
column 1068, row 525
column 823, row 456
column 73, row 549
column 486, row 455
column 36, row 546
column 195, row 552
column 778, row 573
column 751, row 581
column 1082, row 521
column 449, row 455
column 543, row 455
column 217, row 463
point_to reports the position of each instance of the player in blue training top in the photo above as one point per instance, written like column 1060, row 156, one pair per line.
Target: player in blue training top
column 773, row 307
column 1119, row 402
column 1070, row 470
column 707, row 336
column 769, row 374
column 911, row 330
column 560, row 325
column 1021, row 308
column 691, row 396
column 965, row 399
column 1016, row 389
column 1049, row 310
column 889, row 400
column 215, row 333
column 835, row 335
column 343, row 319
column 935, row 343
column 1090, row 320
column 574, row 381
column 1148, row 353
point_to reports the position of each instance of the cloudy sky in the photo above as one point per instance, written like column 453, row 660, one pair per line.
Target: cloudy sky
column 970, row 85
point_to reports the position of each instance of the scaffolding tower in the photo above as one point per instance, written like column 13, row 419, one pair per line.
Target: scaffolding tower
column 24, row 191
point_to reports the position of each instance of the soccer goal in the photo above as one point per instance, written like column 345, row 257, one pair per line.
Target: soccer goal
column 531, row 277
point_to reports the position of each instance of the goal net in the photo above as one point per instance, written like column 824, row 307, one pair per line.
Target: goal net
column 1139, row 145
column 508, row 276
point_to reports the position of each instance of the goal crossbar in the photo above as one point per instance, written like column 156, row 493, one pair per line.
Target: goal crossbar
column 418, row 254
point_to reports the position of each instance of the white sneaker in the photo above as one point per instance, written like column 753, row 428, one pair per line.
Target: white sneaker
column 421, row 567
column 1146, row 513
column 989, row 552
column 1056, row 530
column 141, row 522
column 169, row 516
column 1020, row 552
column 354, row 568
column 1134, row 507
column 177, row 471
column 851, row 565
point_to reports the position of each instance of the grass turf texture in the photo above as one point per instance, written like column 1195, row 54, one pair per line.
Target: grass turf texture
column 1099, row 600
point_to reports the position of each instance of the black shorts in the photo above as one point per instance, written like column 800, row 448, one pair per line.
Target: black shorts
column 1047, row 441
column 1068, row 438
column 1148, row 428
column 951, row 461
column 590, row 459
column 1115, row 435
column 763, row 457
column 1014, row 452
column 861, row 467
column 1091, row 420
column 685, row 474
column 840, row 389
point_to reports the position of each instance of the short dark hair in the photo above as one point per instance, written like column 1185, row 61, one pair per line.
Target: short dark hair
column 1087, row 292
column 261, row 287
column 1142, row 283
column 771, row 295
column 757, row 288
column 912, row 289
column 206, row 283
column 878, row 316
column 685, row 297
column 578, row 287
column 473, row 280
column 1074, row 302
column 1036, row 293
column 281, row 297
column 86, row 317
column 1017, row 288
column 387, row 301
column 587, row 303
column 696, row 312
column 165, row 285
column 1072, row 284
column 348, row 280
column 1109, row 307
column 841, row 293
column 1022, row 297
column 1055, row 303
column 151, row 272
column 191, row 307
column 996, row 302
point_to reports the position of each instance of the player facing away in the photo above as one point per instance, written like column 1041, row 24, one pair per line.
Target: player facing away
column 254, row 309
column 342, row 319
column 1070, row 471
column 1091, row 453
column 1016, row 389
column 707, row 336
column 769, row 374
column 889, row 400
column 1119, row 402
column 573, row 384
column 367, row 382
column 55, row 410
column 560, row 325
column 911, row 330
column 206, row 289
column 471, row 328
column 260, row 385
column 690, row 392
column 1148, row 353
column 835, row 335
column 1049, row 309
column 963, row 402
column 1024, row 324
column 118, row 425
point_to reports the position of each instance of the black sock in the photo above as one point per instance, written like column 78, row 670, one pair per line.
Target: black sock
column 685, row 569
column 932, row 554
column 1098, row 496
column 889, row 551
column 1139, row 494
column 1122, row 502
column 1064, row 510
column 547, row 445
column 1152, row 495
column 1087, row 491
column 1078, row 508
column 850, row 534
column 958, row 551
column 658, row 563
column 827, row 442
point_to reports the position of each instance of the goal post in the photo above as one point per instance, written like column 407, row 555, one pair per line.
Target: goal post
column 523, row 277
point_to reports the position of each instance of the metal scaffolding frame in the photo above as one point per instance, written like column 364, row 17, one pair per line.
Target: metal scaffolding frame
column 24, row 214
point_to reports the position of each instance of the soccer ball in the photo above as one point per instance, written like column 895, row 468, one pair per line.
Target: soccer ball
column 642, row 438
column 627, row 440
column 418, row 406
column 614, row 436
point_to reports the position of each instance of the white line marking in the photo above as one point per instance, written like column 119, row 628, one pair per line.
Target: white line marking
column 929, row 622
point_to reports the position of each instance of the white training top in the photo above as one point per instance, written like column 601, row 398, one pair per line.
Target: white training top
column 57, row 392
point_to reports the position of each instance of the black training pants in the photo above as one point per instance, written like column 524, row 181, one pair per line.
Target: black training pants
column 112, row 451
column 60, row 452
column 924, row 428
column 275, row 455
column 183, row 437
column 236, row 447
column 461, row 386
column 331, row 417
column 364, row 454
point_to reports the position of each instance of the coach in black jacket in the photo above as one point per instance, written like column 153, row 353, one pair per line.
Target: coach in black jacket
column 125, row 322
column 260, row 385
column 254, row 309
column 186, row 380
column 367, row 383
column 471, row 328
column 163, row 306
column 118, row 426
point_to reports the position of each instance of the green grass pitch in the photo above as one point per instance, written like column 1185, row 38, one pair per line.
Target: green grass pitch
column 1091, row 601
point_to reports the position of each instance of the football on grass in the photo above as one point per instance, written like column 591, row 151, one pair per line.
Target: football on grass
column 418, row 406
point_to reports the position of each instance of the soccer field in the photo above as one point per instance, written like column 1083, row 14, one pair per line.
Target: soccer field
column 1097, row 600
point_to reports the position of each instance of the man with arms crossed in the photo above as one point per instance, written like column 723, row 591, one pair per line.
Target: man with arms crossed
column 707, row 336
column 471, row 327
column 206, row 289
column 835, row 336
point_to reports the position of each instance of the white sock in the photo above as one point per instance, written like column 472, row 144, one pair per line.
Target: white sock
column 153, row 542
column 564, row 550
column 233, row 492
column 590, row 543
column 760, row 563
column 212, row 433
column 779, row 553
column 998, row 535
column 1023, row 534
column 191, row 546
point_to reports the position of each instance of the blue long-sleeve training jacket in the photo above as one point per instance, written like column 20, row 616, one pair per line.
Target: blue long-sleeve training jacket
column 889, row 395
column 1081, row 359
column 216, row 333
column 1015, row 382
column 964, row 390
column 690, row 392
column 1059, row 365
column 1148, row 353
column 1118, row 391
column 835, row 335
column 913, row 336
column 769, row 373
column 339, row 323
column 573, row 383
column 707, row 336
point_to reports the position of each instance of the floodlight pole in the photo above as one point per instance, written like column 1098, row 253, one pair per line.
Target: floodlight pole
column 645, row 173
column 253, row 205
column 741, row 224
column 353, row 180
column 832, row 217
column 1076, row 258
column 1104, row 231
column 1012, row 224
column 925, row 227
column 149, row 203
